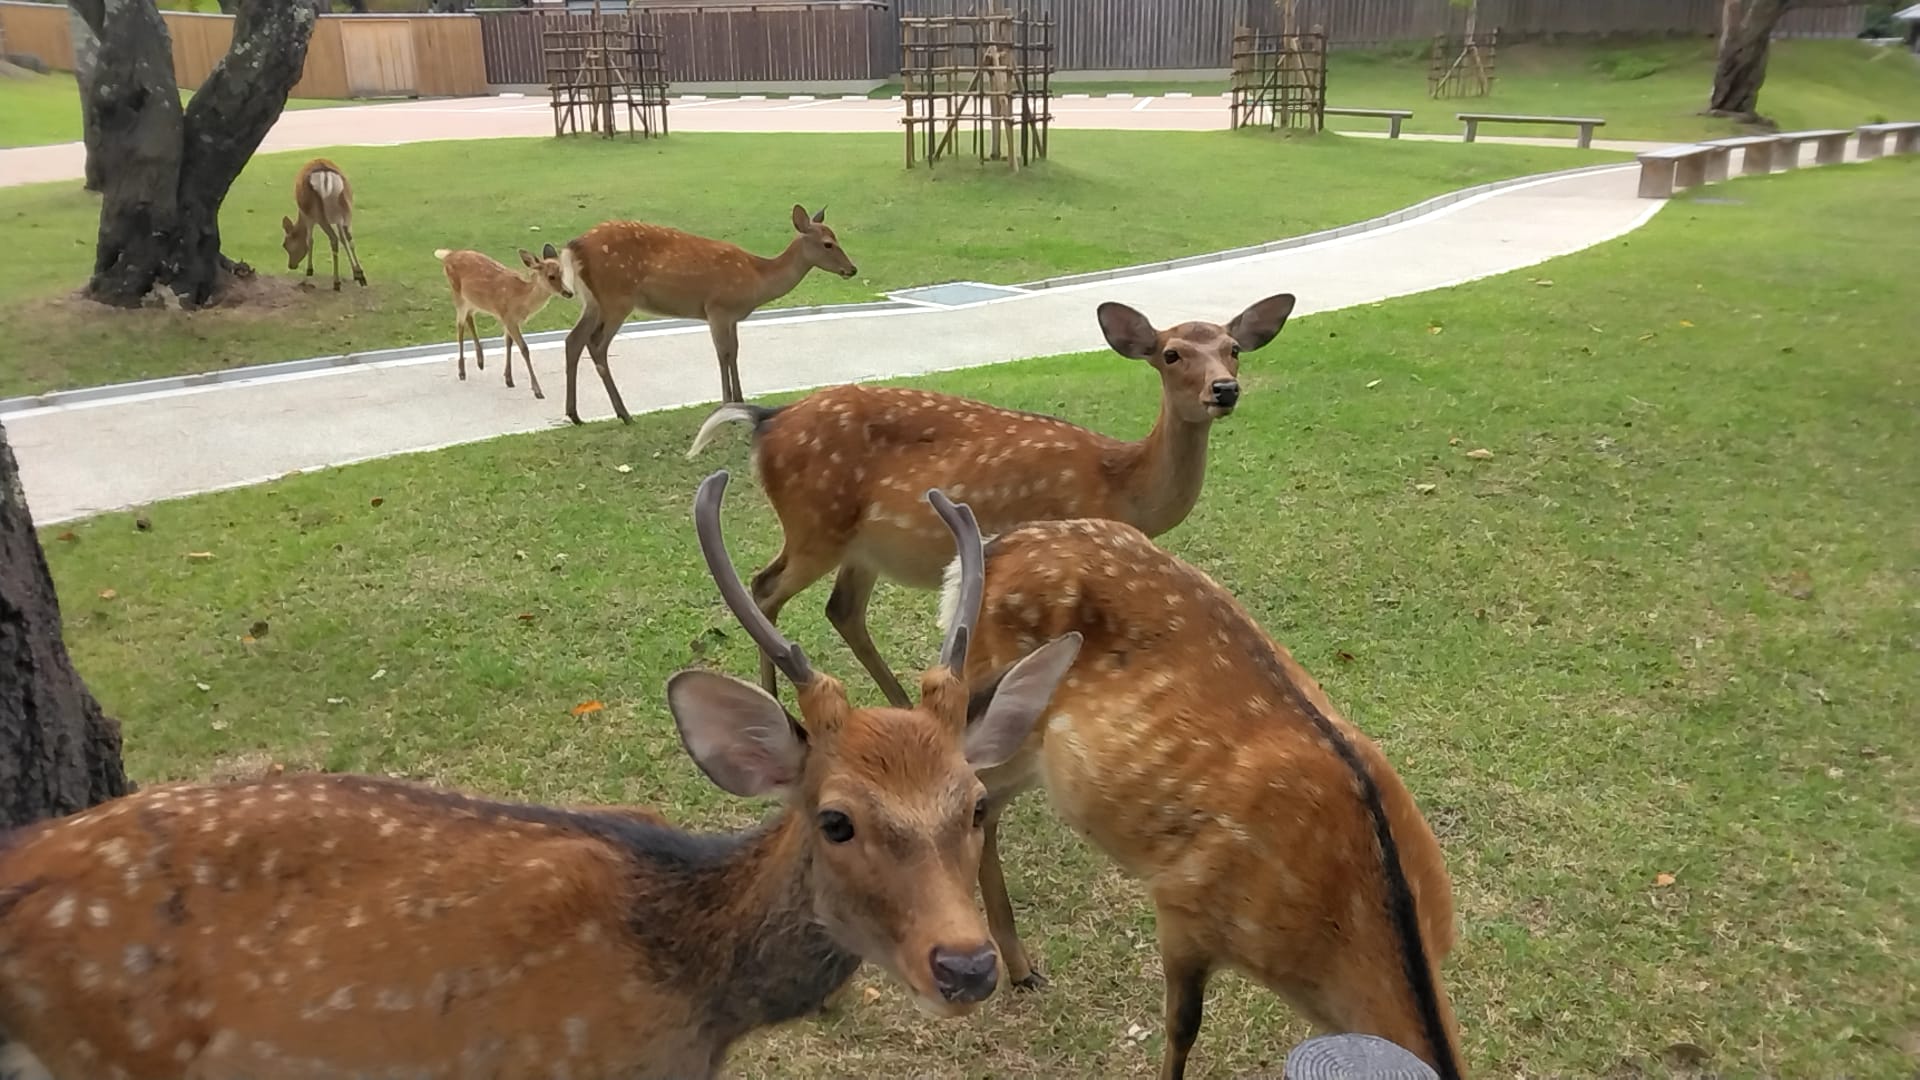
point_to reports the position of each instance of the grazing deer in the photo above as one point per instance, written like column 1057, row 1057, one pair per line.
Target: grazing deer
column 341, row 926
column 481, row 284
column 618, row 266
column 841, row 467
column 325, row 199
column 1273, row 836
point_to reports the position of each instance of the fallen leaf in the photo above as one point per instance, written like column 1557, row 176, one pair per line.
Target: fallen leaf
column 1686, row 322
column 1454, row 441
column 1480, row 454
column 1545, row 283
column 376, row 500
column 336, row 701
column 870, row 994
column 143, row 523
column 1433, row 329
column 519, row 554
column 200, row 556
column 69, row 536
column 1648, row 337
column 218, row 725
column 276, row 769
column 586, row 707
column 1663, row 879
column 378, row 675
column 247, row 639
column 258, row 629
column 1835, row 772
column 1373, row 384
column 202, row 686
column 1136, row 1033
column 1424, row 489
column 1685, row 1056
column 1345, row 656
column 623, row 468
column 525, row 616
column 108, row 594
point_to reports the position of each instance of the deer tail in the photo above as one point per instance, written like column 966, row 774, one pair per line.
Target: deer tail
column 757, row 415
column 442, row 253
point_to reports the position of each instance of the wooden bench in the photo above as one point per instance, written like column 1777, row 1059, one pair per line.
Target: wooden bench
column 1392, row 116
column 1585, row 123
column 1873, row 138
column 1829, row 147
column 1673, row 168
column 1756, row 157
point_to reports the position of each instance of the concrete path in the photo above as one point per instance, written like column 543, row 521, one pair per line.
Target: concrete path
column 509, row 117
column 119, row 451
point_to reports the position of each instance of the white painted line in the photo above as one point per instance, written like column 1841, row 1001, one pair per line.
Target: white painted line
column 1177, row 94
column 751, row 97
column 1122, row 95
column 802, row 97
column 808, row 103
column 696, row 102
column 1144, row 102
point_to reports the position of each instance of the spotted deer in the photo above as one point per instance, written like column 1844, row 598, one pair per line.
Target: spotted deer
column 618, row 266
column 324, row 198
column 341, row 926
column 481, row 284
column 841, row 467
column 1273, row 836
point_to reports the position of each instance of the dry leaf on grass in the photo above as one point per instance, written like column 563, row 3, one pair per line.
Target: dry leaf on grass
column 586, row 707
column 870, row 995
column 1425, row 489
column 623, row 468
column 1686, row 322
column 200, row 556
column 525, row 616
column 1433, row 329
column 336, row 701
column 1480, row 454
column 218, row 725
column 378, row 675
column 108, row 594
column 1373, row 384
column 1663, row 879
column 376, row 500
column 68, row 537
column 203, row 687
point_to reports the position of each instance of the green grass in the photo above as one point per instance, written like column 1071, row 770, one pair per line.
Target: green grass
column 1669, row 627
column 36, row 110
column 1647, row 91
column 1102, row 201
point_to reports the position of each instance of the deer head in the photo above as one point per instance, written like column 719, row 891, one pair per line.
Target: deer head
column 546, row 268
column 1198, row 362
column 818, row 245
column 888, row 798
column 298, row 241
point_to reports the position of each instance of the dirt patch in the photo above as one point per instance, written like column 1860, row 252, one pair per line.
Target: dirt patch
column 261, row 296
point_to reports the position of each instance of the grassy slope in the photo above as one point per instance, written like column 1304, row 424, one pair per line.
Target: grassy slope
column 42, row 109
column 1103, row 201
column 1669, row 628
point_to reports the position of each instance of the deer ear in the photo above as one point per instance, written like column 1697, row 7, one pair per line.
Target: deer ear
column 286, row 223
column 738, row 734
column 996, row 732
column 549, row 253
column 1261, row 322
column 527, row 257
column 820, row 215
column 800, row 219
column 1128, row 331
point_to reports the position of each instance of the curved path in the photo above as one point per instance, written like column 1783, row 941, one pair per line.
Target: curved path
column 125, row 446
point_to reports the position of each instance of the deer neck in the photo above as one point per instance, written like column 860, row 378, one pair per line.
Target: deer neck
column 780, row 274
column 1161, row 476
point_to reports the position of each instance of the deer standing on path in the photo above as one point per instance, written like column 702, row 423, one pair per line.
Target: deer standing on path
column 480, row 283
column 618, row 266
column 841, row 467
column 341, row 926
column 324, row 198
column 1272, row 835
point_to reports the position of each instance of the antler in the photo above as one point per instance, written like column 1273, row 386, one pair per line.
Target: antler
column 973, row 577
column 706, row 522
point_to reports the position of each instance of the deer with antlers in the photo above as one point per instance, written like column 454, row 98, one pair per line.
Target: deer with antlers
column 482, row 284
column 323, row 197
column 340, row 926
column 618, row 266
column 841, row 467
column 1272, row 835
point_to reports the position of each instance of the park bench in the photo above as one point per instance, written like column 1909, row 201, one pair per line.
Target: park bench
column 1392, row 116
column 1873, row 138
column 1673, row 168
column 1756, row 158
column 1585, row 123
column 1829, row 146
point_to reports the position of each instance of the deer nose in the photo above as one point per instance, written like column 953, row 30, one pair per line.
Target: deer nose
column 1226, row 392
column 966, row 976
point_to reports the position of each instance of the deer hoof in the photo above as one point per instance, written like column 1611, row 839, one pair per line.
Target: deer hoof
column 336, row 286
column 1033, row 982
column 537, row 394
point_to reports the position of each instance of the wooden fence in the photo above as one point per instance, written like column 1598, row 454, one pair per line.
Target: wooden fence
column 348, row 56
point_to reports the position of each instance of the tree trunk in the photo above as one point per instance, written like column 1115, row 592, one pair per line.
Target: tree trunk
column 58, row 753
column 168, row 171
column 1742, row 67
column 86, row 49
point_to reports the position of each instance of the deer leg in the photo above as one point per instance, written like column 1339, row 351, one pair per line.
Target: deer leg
column 778, row 582
column 601, row 340
column 353, row 256
column 726, row 346
column 460, row 335
column 1187, row 967
column 526, row 356
column 333, row 242
column 479, row 357
column 847, row 610
column 577, row 339
column 993, row 893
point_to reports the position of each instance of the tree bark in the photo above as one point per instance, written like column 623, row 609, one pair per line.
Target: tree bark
column 167, row 171
column 86, row 49
column 58, row 753
column 1742, row 66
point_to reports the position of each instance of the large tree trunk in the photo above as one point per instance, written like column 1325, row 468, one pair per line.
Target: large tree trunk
column 1746, row 36
column 86, row 48
column 58, row 754
column 166, row 171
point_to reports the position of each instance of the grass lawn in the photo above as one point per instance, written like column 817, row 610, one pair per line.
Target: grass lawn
column 1102, row 201
column 39, row 109
column 1668, row 628
column 1651, row 90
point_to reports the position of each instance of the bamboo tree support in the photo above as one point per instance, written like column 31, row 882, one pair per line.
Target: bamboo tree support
column 603, row 69
column 981, row 68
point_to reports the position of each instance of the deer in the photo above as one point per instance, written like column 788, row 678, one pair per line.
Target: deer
column 324, row 198
column 481, row 283
column 841, row 464
column 1273, row 837
column 331, row 925
column 618, row 266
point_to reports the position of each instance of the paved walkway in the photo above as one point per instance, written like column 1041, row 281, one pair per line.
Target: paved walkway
column 508, row 117
column 84, row 458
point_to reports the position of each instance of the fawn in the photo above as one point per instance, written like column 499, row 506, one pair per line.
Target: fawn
column 324, row 198
column 480, row 283
column 841, row 467
column 344, row 926
column 618, row 266
column 1272, row 835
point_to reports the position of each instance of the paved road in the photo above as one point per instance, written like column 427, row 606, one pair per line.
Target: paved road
column 85, row 458
column 508, row 117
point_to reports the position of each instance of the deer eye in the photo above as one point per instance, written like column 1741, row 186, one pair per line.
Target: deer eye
column 980, row 812
column 828, row 244
column 1172, row 356
column 836, row 826
column 1235, row 351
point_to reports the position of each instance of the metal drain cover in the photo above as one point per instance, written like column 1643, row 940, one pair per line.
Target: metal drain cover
column 956, row 293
